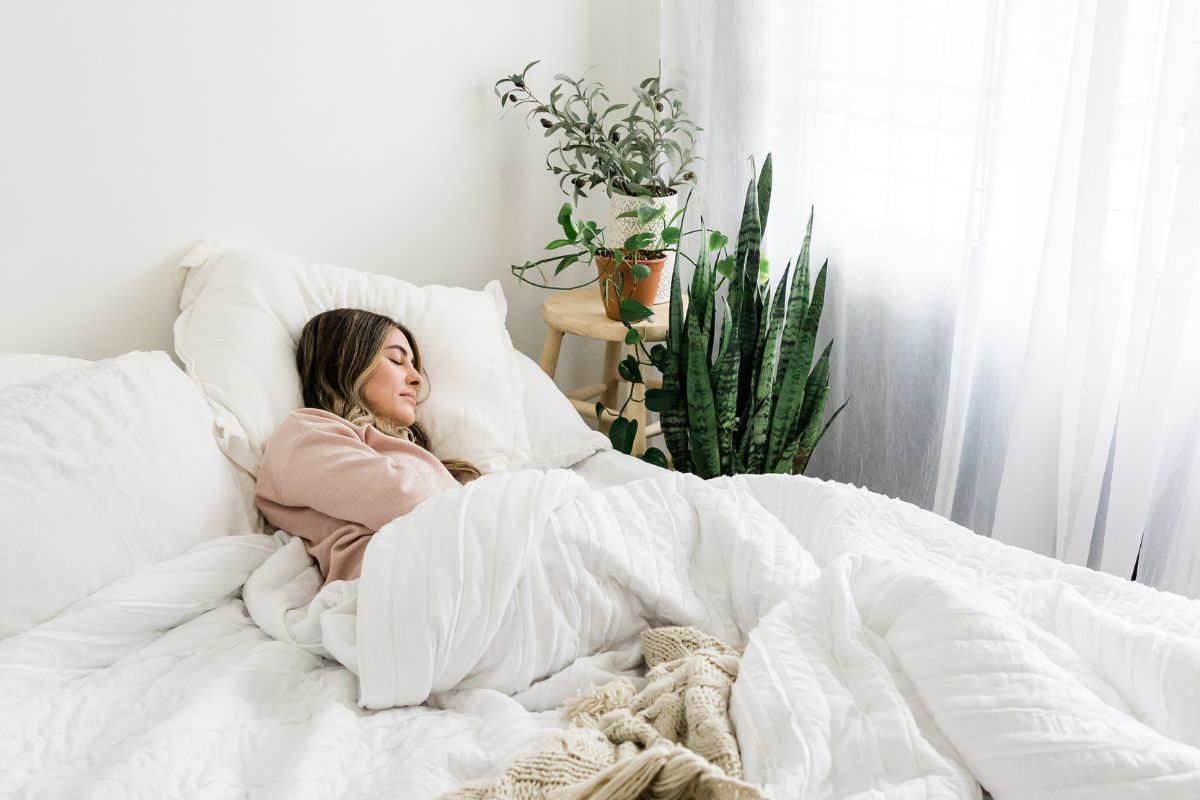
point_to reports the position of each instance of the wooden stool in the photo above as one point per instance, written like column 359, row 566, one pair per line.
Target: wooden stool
column 580, row 312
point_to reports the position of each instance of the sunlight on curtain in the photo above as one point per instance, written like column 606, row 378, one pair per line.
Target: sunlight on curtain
column 1007, row 195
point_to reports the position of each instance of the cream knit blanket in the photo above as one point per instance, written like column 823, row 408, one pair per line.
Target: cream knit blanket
column 671, row 740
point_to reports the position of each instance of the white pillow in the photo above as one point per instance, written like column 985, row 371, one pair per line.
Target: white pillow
column 558, row 436
column 23, row 367
column 106, row 468
column 242, row 311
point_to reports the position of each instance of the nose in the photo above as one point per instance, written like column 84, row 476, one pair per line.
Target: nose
column 414, row 379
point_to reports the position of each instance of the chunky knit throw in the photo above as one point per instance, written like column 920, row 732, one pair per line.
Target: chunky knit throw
column 672, row 740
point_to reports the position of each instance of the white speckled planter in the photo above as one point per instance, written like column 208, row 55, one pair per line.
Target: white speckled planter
column 619, row 230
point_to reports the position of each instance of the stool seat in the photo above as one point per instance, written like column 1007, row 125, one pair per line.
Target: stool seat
column 580, row 312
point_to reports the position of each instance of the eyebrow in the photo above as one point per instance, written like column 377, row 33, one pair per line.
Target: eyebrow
column 398, row 347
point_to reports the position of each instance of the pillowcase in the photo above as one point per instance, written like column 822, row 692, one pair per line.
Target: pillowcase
column 106, row 468
column 241, row 313
column 558, row 436
column 23, row 367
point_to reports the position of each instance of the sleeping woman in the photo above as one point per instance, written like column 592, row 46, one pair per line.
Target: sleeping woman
column 355, row 458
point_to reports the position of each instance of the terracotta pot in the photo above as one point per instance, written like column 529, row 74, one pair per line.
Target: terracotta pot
column 644, row 290
column 621, row 228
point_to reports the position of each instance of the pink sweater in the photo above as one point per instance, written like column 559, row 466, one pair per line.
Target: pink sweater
column 335, row 484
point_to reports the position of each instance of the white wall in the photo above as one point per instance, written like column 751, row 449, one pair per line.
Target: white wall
column 362, row 133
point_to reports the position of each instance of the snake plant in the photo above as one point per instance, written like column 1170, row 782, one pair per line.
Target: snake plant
column 758, row 406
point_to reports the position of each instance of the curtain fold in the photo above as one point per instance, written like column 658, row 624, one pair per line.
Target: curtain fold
column 1008, row 193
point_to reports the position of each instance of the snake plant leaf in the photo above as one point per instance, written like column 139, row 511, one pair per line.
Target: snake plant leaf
column 803, row 438
column 743, row 288
column 767, row 357
column 802, row 280
column 807, row 449
column 799, row 340
column 725, row 388
column 673, row 365
column 764, row 192
column 702, row 416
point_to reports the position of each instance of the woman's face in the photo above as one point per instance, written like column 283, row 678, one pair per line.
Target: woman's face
column 391, row 388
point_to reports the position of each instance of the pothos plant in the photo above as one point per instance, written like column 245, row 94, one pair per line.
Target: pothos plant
column 643, row 147
column 758, row 405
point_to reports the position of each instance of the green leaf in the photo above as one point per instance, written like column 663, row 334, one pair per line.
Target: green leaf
column 764, row 270
column 630, row 214
column 670, row 235
column 649, row 213
column 640, row 271
column 655, row 456
column 564, row 219
column 630, row 370
column 557, row 243
column 661, row 399
column 622, row 434
column 639, row 241
column 633, row 311
column 633, row 336
column 659, row 355
column 565, row 262
column 725, row 267
column 717, row 240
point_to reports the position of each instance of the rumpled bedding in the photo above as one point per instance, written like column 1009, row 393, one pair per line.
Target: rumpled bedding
column 872, row 668
column 888, row 653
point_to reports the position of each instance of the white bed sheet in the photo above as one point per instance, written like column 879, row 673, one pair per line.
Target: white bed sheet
column 162, row 685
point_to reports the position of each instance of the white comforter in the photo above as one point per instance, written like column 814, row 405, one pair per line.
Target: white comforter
column 890, row 653
column 871, row 670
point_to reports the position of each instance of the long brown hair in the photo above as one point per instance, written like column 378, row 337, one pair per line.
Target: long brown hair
column 336, row 354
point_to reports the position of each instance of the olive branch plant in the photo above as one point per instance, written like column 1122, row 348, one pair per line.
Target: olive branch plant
column 642, row 148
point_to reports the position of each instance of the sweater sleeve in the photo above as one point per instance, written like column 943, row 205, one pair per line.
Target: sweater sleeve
column 331, row 470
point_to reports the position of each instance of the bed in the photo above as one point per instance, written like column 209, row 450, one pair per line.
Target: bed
column 887, row 652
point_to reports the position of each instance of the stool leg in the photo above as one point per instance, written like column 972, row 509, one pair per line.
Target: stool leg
column 612, row 357
column 550, row 352
column 637, row 411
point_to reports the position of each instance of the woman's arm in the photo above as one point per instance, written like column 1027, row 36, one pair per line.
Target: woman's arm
column 328, row 468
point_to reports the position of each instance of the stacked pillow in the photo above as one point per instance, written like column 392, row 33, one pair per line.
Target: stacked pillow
column 104, row 468
column 241, row 314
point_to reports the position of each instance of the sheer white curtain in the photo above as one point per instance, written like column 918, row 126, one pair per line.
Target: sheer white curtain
column 1008, row 192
